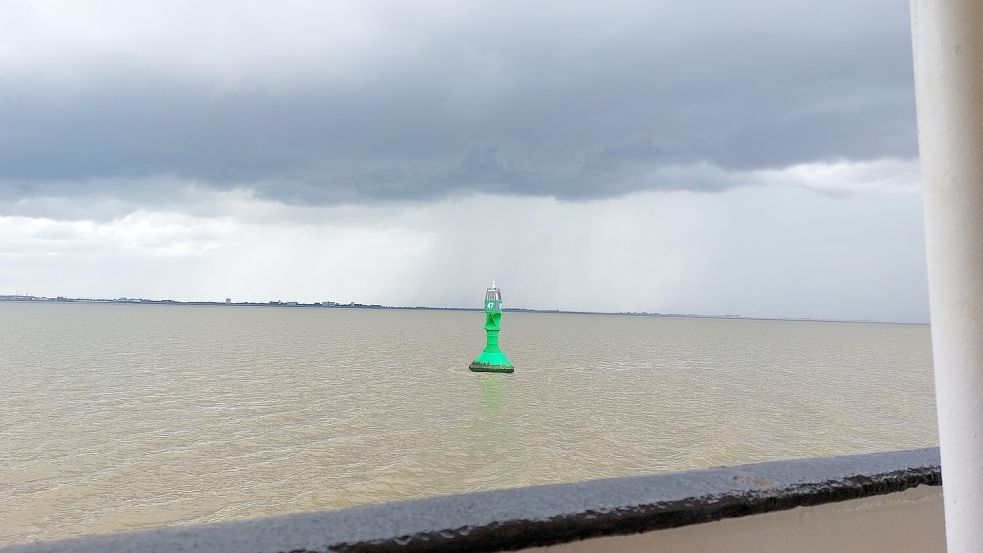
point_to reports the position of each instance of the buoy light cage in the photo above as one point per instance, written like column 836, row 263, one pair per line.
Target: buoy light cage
column 492, row 359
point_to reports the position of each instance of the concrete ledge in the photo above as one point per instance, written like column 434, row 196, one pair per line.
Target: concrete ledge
column 541, row 515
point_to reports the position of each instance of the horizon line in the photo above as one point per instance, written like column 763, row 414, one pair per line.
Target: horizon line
column 27, row 298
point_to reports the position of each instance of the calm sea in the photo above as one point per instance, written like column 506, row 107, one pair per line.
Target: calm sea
column 124, row 417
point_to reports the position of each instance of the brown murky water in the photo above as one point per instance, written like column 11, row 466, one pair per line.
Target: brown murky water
column 120, row 417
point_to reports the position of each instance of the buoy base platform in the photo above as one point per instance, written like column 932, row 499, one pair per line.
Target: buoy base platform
column 492, row 360
column 486, row 368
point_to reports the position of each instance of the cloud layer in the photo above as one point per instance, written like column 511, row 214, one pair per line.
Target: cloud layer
column 360, row 102
column 711, row 157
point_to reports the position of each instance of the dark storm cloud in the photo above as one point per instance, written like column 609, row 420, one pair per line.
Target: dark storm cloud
column 553, row 103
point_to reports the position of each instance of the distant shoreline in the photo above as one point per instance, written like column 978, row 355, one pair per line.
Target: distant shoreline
column 352, row 305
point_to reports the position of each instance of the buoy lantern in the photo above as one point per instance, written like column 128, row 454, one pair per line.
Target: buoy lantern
column 492, row 359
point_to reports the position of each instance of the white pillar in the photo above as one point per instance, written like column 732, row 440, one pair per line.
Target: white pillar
column 948, row 49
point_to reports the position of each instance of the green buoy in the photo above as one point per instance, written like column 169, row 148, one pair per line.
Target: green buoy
column 492, row 359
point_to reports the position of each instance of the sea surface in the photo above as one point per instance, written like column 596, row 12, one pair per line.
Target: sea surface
column 126, row 417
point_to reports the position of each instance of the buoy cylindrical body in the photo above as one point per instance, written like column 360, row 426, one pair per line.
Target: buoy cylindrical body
column 492, row 359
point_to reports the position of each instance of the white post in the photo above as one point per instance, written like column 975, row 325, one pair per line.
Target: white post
column 948, row 49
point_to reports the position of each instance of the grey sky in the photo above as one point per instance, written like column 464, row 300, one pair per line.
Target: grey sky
column 291, row 114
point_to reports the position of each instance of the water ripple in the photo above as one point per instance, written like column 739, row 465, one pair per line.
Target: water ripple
column 127, row 417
